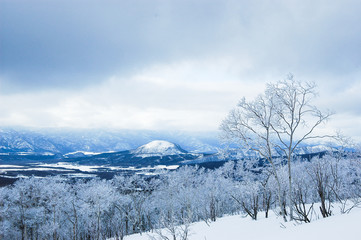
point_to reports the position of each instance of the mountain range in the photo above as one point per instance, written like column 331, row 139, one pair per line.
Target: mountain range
column 107, row 153
column 70, row 141
column 116, row 147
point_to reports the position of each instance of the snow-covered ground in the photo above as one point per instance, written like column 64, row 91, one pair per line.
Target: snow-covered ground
column 340, row 227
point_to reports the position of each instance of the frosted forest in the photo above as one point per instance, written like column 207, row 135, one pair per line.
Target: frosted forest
column 57, row 208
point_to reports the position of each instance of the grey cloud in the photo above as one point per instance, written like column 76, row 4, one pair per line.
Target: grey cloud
column 47, row 44
column 53, row 43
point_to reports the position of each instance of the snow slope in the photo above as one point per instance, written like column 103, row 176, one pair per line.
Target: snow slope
column 345, row 226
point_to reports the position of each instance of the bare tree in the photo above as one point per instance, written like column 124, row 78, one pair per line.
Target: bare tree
column 250, row 125
column 280, row 119
column 295, row 120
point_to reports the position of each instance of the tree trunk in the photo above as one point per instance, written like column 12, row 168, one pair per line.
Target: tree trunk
column 283, row 213
column 290, row 188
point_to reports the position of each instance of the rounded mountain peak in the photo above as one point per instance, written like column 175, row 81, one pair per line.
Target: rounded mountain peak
column 160, row 147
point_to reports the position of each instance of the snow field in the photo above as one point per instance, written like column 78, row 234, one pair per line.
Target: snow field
column 345, row 226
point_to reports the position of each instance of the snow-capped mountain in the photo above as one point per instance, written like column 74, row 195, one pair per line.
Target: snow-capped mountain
column 158, row 152
column 314, row 149
column 158, row 148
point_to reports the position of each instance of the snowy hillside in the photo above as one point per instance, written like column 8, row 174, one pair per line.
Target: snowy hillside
column 346, row 226
column 158, row 148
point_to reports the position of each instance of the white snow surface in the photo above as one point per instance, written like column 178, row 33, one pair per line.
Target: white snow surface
column 158, row 148
column 80, row 153
column 346, row 226
column 157, row 167
column 65, row 165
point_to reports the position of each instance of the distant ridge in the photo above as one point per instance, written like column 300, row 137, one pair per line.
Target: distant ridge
column 68, row 141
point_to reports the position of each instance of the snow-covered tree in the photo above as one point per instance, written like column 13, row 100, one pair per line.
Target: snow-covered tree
column 278, row 120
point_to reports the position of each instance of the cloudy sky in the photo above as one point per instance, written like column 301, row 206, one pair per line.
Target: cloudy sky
column 165, row 64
